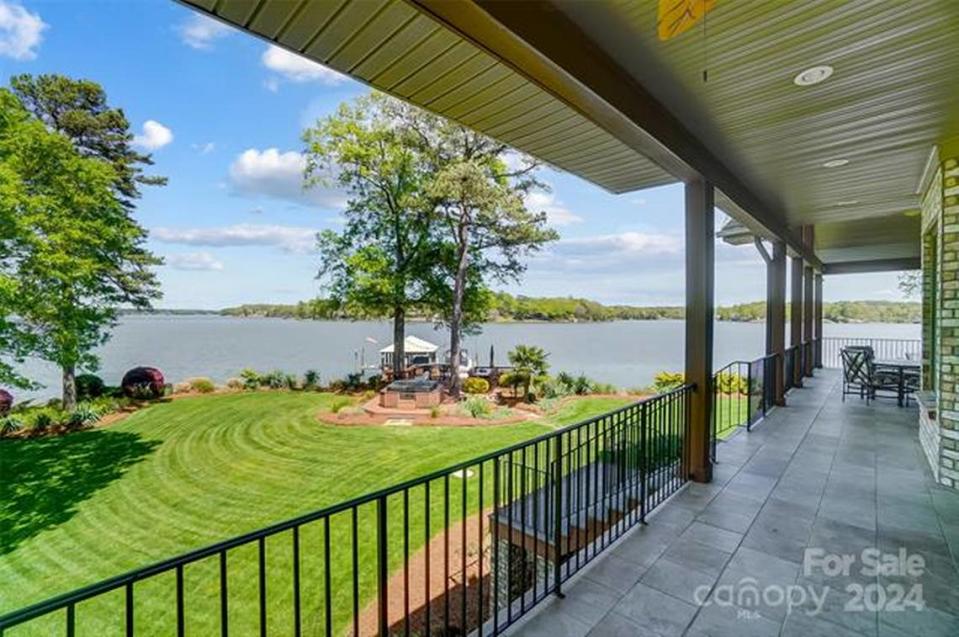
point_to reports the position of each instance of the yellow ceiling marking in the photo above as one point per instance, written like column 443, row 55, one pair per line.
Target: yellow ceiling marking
column 678, row 16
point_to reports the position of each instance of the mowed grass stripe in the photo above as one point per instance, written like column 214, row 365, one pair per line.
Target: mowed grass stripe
column 199, row 470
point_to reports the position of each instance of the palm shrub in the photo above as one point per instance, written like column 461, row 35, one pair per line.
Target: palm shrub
column 529, row 361
column 513, row 380
column 551, row 388
column 291, row 381
column 475, row 385
column 10, row 425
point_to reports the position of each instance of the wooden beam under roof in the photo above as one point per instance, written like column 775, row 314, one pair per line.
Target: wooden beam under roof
column 548, row 48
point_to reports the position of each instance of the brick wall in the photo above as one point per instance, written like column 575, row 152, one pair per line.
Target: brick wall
column 940, row 208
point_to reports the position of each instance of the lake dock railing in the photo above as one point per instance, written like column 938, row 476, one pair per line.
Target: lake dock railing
column 470, row 548
column 883, row 348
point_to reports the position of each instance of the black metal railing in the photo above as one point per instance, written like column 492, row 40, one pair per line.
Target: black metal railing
column 470, row 548
column 743, row 392
column 790, row 377
column 883, row 348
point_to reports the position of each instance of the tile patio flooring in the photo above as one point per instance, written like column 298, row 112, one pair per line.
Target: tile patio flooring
column 841, row 477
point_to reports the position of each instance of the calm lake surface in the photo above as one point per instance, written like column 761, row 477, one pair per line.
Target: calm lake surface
column 625, row 353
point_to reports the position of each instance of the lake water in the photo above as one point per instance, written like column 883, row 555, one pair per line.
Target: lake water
column 625, row 353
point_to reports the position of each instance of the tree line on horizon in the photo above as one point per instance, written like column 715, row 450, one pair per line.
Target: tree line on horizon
column 502, row 306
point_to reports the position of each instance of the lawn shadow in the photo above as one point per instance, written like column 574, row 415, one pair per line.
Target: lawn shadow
column 42, row 480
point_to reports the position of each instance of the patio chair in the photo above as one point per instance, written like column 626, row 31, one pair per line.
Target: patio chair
column 855, row 372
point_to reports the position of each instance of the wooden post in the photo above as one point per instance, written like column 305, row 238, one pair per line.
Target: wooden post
column 819, row 320
column 776, row 315
column 795, row 318
column 700, row 275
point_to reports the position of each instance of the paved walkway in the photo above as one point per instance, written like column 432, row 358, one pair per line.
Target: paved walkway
column 818, row 474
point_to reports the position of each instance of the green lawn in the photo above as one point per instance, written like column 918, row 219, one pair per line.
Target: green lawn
column 176, row 476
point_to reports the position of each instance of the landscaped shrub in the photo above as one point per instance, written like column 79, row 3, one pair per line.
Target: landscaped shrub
column 201, row 384
column 89, row 386
column 604, row 388
column 10, row 425
column 41, row 421
column 475, row 385
column 730, row 383
column 274, row 380
column 435, row 411
column 340, row 403
column 144, row 383
column 83, row 416
column 311, row 378
column 551, row 389
column 236, row 384
column 665, row 381
column 476, row 407
column 6, row 402
column 251, row 379
column 183, row 387
column 513, row 380
column 291, row 381
column 582, row 385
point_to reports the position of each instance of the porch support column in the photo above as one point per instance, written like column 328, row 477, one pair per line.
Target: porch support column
column 818, row 318
column 808, row 305
column 700, row 231
column 807, row 320
column 776, row 315
column 795, row 318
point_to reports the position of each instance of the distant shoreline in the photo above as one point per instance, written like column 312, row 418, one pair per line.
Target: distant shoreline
column 497, row 321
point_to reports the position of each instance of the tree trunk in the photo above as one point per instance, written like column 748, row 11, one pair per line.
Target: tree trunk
column 69, row 388
column 399, row 342
column 456, row 320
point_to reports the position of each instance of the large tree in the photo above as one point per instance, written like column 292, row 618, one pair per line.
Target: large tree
column 489, row 228
column 72, row 181
column 379, row 264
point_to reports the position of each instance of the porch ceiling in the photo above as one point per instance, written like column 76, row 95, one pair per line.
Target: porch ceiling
column 486, row 65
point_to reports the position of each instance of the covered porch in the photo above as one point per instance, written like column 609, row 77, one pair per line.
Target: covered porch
column 819, row 476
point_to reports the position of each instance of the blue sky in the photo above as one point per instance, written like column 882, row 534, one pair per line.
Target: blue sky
column 222, row 113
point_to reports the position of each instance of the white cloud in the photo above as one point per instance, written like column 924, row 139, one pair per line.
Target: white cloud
column 20, row 31
column 287, row 238
column 193, row 261
column 155, row 135
column 200, row 32
column 296, row 68
column 556, row 213
column 279, row 174
column 204, row 149
column 610, row 253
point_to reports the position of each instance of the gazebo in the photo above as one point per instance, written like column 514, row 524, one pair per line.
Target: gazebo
column 416, row 352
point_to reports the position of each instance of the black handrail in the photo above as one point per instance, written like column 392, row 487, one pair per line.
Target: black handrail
column 743, row 391
column 598, row 478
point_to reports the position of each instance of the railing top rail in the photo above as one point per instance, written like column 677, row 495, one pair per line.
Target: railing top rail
column 77, row 596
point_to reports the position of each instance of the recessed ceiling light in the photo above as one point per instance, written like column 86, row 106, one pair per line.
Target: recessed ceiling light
column 848, row 202
column 813, row 75
column 835, row 163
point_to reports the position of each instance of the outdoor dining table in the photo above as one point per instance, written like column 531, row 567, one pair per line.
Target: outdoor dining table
column 900, row 366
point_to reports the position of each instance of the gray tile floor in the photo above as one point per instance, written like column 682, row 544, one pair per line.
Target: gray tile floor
column 818, row 475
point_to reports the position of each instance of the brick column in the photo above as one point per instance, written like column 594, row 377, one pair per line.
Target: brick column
column 940, row 251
